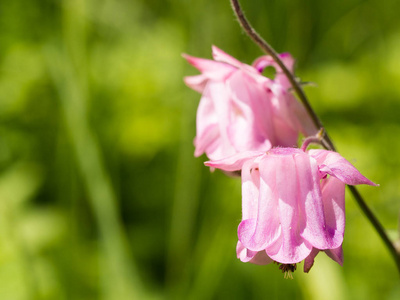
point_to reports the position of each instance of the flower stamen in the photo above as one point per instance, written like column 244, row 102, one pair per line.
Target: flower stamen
column 287, row 269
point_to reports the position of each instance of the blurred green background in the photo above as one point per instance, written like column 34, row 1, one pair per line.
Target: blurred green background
column 100, row 195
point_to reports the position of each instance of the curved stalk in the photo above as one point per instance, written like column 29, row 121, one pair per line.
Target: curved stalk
column 376, row 224
column 326, row 141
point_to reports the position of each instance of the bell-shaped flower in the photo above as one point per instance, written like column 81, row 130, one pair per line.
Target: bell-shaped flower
column 242, row 110
column 292, row 204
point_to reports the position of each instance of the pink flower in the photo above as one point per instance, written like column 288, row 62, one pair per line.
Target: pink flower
column 242, row 110
column 293, row 204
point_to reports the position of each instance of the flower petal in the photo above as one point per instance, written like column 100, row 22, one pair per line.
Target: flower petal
column 211, row 69
column 207, row 140
column 284, row 120
column 221, row 56
column 301, row 119
column 214, row 109
column 309, row 261
column 291, row 247
column 276, row 228
column 254, row 257
column 262, row 62
column 336, row 254
column 289, row 62
column 333, row 191
column 265, row 61
column 207, row 129
column 234, row 162
column 250, row 114
column 196, row 82
column 334, row 164
column 311, row 206
column 250, row 189
column 262, row 227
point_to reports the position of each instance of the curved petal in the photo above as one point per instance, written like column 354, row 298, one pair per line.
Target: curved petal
column 291, row 247
column 333, row 191
column 263, row 228
column 334, row 164
column 262, row 62
column 207, row 141
column 265, row 61
column 250, row 125
column 311, row 206
column 300, row 117
column 277, row 225
column 207, row 128
column 250, row 189
column 280, row 77
column 196, row 82
column 254, row 257
column 284, row 120
column 336, row 254
column 234, row 162
column 214, row 109
column 309, row 261
column 211, row 69
column 221, row 56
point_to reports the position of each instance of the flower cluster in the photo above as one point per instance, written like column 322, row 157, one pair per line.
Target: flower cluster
column 292, row 199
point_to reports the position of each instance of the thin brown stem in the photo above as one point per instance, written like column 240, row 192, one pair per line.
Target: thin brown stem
column 326, row 141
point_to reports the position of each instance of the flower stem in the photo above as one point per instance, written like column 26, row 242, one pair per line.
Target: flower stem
column 376, row 224
column 326, row 141
column 315, row 139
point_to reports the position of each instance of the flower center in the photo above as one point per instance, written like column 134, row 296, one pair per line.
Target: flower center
column 287, row 269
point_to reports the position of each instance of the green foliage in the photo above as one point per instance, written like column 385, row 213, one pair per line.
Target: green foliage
column 100, row 195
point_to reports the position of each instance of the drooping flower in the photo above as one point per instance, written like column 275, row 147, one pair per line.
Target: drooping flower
column 242, row 110
column 292, row 204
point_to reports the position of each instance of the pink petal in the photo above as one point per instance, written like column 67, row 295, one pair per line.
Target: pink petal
column 197, row 82
column 334, row 164
column 291, row 247
column 280, row 77
column 250, row 119
column 336, row 254
column 333, row 191
column 214, row 110
column 221, row 56
column 254, row 257
column 301, row 119
column 211, row 69
column 288, row 60
column 311, row 206
column 309, row 261
column 207, row 129
column 276, row 228
column 234, row 162
column 207, row 140
column 284, row 120
column 250, row 189
column 263, row 229
column 264, row 61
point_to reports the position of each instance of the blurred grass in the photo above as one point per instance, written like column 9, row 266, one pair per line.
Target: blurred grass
column 100, row 195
